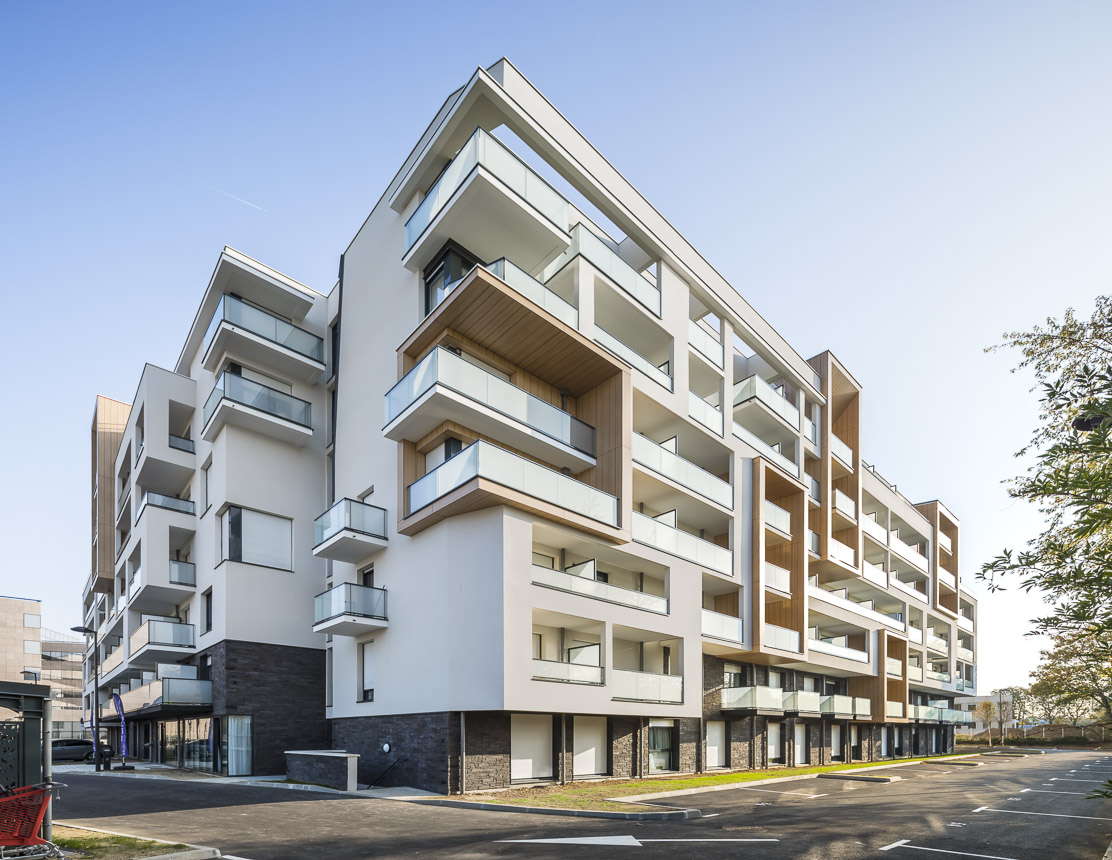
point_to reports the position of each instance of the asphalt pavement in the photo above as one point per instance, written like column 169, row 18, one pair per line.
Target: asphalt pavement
column 1031, row 808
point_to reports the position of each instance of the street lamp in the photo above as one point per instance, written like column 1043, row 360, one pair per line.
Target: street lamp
column 96, row 689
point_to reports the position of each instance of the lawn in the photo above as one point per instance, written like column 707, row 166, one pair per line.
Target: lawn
column 596, row 795
column 103, row 846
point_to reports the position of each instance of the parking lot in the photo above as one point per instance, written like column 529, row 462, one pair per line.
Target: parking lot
column 1027, row 808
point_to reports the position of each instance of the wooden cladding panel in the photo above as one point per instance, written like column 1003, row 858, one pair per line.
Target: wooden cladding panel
column 728, row 604
column 109, row 421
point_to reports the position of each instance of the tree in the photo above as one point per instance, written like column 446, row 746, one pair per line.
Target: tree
column 985, row 712
column 1071, row 478
column 1004, row 711
column 1076, row 674
column 1019, row 703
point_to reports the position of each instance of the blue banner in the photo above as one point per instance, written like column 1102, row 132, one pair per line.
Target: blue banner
column 123, row 726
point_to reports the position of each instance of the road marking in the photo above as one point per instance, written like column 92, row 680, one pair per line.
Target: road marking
column 1067, row 779
column 903, row 844
column 770, row 791
column 1049, row 814
column 712, row 815
column 625, row 841
column 1043, row 791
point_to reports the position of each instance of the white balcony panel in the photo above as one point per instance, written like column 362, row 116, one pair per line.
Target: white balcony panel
column 632, row 357
column 776, row 517
column 841, row 552
column 874, row 530
column 586, row 244
column 820, row 593
column 844, row 505
column 914, row 673
column 937, row 643
column 964, row 654
column 753, row 698
column 777, row 578
column 965, row 623
column 802, row 701
column 719, row 626
column 841, row 451
column 833, row 650
column 945, row 542
column 676, row 542
column 875, row 574
column 781, row 638
column 755, row 389
column 563, row 581
column 569, row 673
column 908, row 553
column 765, row 450
column 862, row 707
column 907, row 588
column 893, row 667
column 706, row 414
column 837, row 706
column 947, row 578
column 681, row 471
column 646, row 686
column 894, row 709
column 705, row 344
column 526, row 285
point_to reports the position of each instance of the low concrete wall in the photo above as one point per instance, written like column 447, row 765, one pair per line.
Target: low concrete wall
column 334, row 768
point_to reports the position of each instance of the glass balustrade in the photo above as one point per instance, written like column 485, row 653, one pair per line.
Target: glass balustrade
column 526, row 285
column 158, row 500
column 183, row 572
column 842, row 552
column 165, row 633
column 754, row 387
column 781, row 638
column 765, row 450
column 247, row 392
column 836, row 705
column 588, row 587
column 683, row 472
column 777, row 577
column 349, row 515
column 631, row 357
column 348, row 598
column 647, row 686
column 824, row 647
column 586, row 244
column 236, row 312
column 705, row 344
column 705, row 413
column 893, row 667
column 572, row 673
column 722, row 626
column 677, row 542
column 844, row 504
column 777, row 517
column 763, row 698
column 842, row 451
column 182, row 444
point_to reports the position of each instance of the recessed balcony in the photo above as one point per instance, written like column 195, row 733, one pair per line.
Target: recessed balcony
column 908, row 552
column 874, row 529
column 170, row 503
column 845, row 508
column 580, row 579
column 683, row 472
column 764, row 449
column 945, row 543
column 445, row 386
column 646, row 686
column 261, row 338
column 720, row 626
column 706, row 344
column 833, row 647
column 677, row 542
column 893, row 667
column 707, row 414
column 492, row 203
column 936, row 675
column 606, row 261
column 777, row 578
column 948, row 579
column 841, row 599
column 802, row 702
column 567, row 673
column 894, row 710
column 168, row 461
column 781, row 638
column 844, row 553
column 843, row 453
column 162, row 640
column 965, row 623
column 349, row 609
column 778, row 521
column 937, row 643
column 526, row 285
column 248, row 404
column 758, row 402
column 841, row 707
column 349, row 531
column 633, row 358
column 914, row 673
column 965, row 654
column 769, row 699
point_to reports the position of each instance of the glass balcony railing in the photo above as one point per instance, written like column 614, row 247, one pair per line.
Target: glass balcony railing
column 842, row 552
column 631, row 357
column 167, row 691
column 810, row 431
column 844, row 504
column 937, row 642
column 836, row 705
column 894, row 709
column 875, row 573
column 679, row 543
column 908, row 552
column 722, row 626
column 834, row 650
column 441, row 367
column 802, row 701
column 908, row 587
column 485, row 150
column 813, row 542
column 914, row 673
column 705, row 344
column 586, row 244
column 113, row 660
column 238, row 313
column 765, row 450
column 763, row 698
column 934, row 675
column 782, row 638
column 182, row 444
column 965, row 654
column 755, row 387
column 777, row 577
column 965, row 622
column 777, row 517
column 683, row 472
column 862, row 707
column 647, row 686
column 863, row 609
column 257, row 396
column 158, row 500
column 183, row 572
column 814, row 488
column 484, row 460
column 348, row 598
column 350, row 515
column 842, row 451
column 945, row 542
column 166, row 633
column 893, row 667
column 705, row 413
column 589, row 587
column 526, row 285
column 571, row 673
column 947, row 578
column 874, row 529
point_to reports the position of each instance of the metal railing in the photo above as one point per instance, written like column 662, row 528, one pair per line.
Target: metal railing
column 237, row 312
column 249, row 393
column 350, row 515
column 349, row 598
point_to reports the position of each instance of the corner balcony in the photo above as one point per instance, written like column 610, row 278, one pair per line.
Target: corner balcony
column 716, row 625
column 162, row 641
column 841, row 707
column 583, row 582
column 802, row 702
column 444, row 386
column 633, row 358
column 483, row 471
column 167, row 691
column 263, row 339
column 567, row 673
column 492, row 203
column 781, row 638
column 764, row 699
column 244, row 403
column 633, row 686
column 826, row 646
column 348, row 609
column 680, row 471
column 349, row 531
column 524, row 284
column 591, row 248
column 776, row 408
column 677, row 542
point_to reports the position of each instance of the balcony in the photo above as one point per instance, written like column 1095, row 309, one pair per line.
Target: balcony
column 845, row 506
column 908, row 552
column 965, row 623
column 944, row 542
column 907, row 588
column 965, row 654
column 813, row 542
column 837, row 706
column 633, row 358
column 183, row 573
column 753, row 698
column 705, row 344
column 842, row 552
column 941, row 677
column 874, row 529
column 875, row 574
column 349, row 531
column 586, row 244
column 348, row 609
column 583, row 583
column 705, row 413
column 947, row 578
column 957, row 716
column 679, row 543
column 845, row 602
column 719, row 626
column 777, row 518
column 781, row 638
column 824, row 646
column 802, row 702
column 862, row 708
column 841, row 451
column 810, row 431
column 914, row 634
column 777, row 578
column 914, row 673
column 180, row 443
column 568, row 673
column 526, row 285
column 753, row 389
column 894, row 710
column 262, row 339
column 814, row 489
column 157, row 640
column 482, row 460
column 112, row 661
column 765, row 450
column 492, row 203
column 893, row 667
column 924, row 713
column 244, row 403
column 445, row 386
column 681, row 471
column 646, row 686
column 167, row 691
column 937, row 643
column 170, row 503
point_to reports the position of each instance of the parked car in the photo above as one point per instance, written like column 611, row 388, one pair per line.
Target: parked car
column 76, row 749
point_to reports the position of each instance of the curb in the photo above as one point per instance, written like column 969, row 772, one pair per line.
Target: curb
column 956, row 763
column 671, row 815
column 195, row 852
column 862, row 778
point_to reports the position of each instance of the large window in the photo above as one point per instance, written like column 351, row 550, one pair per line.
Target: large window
column 366, row 672
column 207, row 599
column 256, row 538
column 662, row 746
column 235, row 743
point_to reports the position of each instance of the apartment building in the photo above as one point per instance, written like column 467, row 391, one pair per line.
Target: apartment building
column 551, row 499
column 205, row 490
column 20, row 639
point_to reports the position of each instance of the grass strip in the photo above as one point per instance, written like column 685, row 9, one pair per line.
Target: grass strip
column 105, row 846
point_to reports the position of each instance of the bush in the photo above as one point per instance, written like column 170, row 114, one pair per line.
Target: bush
column 1012, row 741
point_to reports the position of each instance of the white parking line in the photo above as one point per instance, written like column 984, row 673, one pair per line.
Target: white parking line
column 903, row 843
column 770, row 791
column 1040, row 791
column 1048, row 814
column 1068, row 779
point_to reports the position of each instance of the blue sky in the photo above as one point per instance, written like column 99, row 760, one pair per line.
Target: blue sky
column 897, row 182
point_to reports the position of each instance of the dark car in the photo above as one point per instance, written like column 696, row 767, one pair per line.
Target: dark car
column 76, row 749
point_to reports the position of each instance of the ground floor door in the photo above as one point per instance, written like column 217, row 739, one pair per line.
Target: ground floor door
column 716, row 744
column 589, row 746
column 836, row 742
column 855, row 742
column 662, row 746
column 530, row 746
column 885, row 742
column 775, row 742
column 802, row 747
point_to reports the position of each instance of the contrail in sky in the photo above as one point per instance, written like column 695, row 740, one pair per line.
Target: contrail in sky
column 240, row 199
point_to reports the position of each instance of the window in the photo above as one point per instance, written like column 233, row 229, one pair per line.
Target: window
column 366, row 672
column 542, row 560
column 775, row 679
column 602, row 576
column 206, row 496
column 328, row 678
column 538, row 647
column 775, row 742
column 31, row 646
column 32, row 620
column 809, row 684
column 256, row 538
column 444, row 272
column 204, row 668
column 367, row 576
column 662, row 746
column 207, row 602
column 734, row 677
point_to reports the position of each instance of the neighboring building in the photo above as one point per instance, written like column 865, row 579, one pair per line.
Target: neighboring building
column 584, row 511
column 999, row 701
column 20, row 639
column 62, row 656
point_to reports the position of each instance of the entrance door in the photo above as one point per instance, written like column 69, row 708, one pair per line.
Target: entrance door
column 855, row 742
column 836, row 742
column 530, row 746
column 588, row 746
column 716, row 743
column 775, row 742
column 802, row 748
column 884, row 744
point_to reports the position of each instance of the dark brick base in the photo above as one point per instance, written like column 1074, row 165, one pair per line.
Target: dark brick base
column 421, row 747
